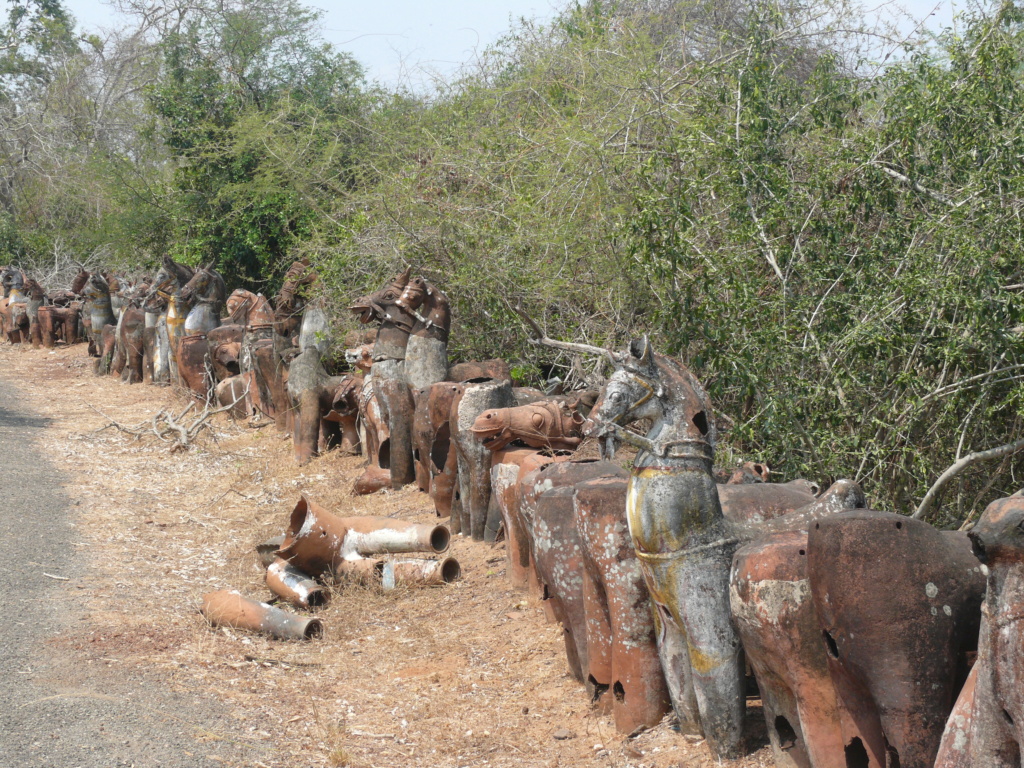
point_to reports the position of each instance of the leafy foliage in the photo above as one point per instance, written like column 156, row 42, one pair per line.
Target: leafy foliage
column 835, row 250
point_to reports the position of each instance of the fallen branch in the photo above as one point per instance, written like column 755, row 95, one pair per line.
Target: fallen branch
column 958, row 467
column 169, row 428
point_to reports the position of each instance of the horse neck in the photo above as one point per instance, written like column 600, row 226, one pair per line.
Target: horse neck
column 437, row 309
column 214, row 293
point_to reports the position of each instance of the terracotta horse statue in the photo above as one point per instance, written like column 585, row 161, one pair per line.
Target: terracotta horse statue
column 682, row 539
column 14, row 311
column 36, row 299
column 169, row 311
column 426, row 355
column 290, row 302
column 388, row 371
column 96, row 294
column 206, row 293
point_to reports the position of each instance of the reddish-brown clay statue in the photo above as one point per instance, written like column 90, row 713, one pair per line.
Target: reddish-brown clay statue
column 474, row 460
column 544, row 424
column 622, row 651
column 898, row 604
column 547, row 509
column 774, row 614
column 986, row 729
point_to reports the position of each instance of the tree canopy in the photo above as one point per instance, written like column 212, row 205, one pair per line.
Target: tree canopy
column 822, row 221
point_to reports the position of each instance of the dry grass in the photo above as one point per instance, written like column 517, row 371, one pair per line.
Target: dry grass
column 463, row 675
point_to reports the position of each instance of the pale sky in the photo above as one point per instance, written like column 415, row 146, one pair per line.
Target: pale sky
column 407, row 40
column 394, row 40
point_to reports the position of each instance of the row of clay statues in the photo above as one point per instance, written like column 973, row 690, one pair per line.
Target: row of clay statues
column 859, row 626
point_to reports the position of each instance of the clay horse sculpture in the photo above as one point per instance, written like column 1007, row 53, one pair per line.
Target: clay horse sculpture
column 681, row 538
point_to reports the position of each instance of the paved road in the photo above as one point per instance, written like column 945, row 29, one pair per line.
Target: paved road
column 56, row 712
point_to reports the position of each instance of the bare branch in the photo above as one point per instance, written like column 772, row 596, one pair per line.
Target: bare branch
column 958, row 467
column 541, row 338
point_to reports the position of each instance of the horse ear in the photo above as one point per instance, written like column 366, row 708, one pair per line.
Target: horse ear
column 640, row 349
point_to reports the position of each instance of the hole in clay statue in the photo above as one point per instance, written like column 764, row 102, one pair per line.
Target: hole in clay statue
column 898, row 526
column 856, row 755
column 785, row 732
column 384, row 455
column 830, row 644
column 700, row 421
column 619, row 691
column 600, row 689
column 803, row 552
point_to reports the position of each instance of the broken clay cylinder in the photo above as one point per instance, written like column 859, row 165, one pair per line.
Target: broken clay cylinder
column 372, row 480
column 622, row 649
column 192, row 353
column 316, row 541
column 388, row 573
column 423, row 572
column 898, row 604
column 289, row 583
column 229, row 609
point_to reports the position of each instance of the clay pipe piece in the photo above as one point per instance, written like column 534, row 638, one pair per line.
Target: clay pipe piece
column 289, row 583
column 363, row 570
column 267, row 550
column 384, row 535
column 313, row 539
column 390, row 573
column 227, row 608
column 423, row 572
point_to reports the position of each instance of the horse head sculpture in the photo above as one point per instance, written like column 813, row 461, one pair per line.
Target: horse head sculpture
column 428, row 306
column 206, row 294
column 385, row 304
column 396, row 322
column 12, row 279
column 648, row 385
column 169, row 280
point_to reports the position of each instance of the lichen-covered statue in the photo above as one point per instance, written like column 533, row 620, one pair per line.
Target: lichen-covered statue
column 681, row 538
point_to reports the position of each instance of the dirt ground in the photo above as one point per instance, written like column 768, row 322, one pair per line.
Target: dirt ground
column 468, row 674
